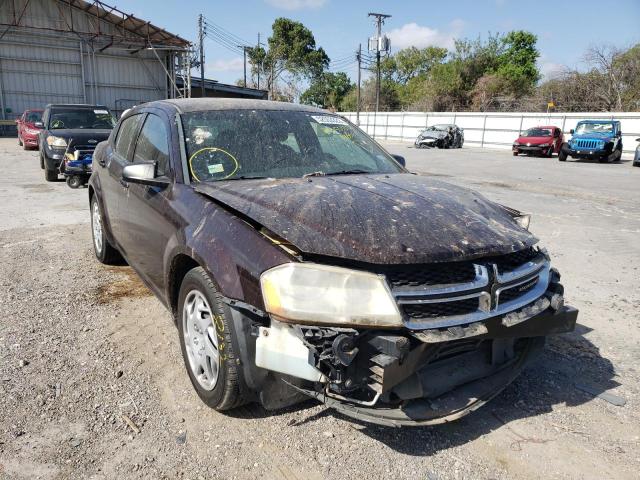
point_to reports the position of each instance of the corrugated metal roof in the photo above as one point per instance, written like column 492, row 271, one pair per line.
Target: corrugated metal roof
column 128, row 22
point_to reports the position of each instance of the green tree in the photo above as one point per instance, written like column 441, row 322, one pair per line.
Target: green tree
column 517, row 63
column 292, row 51
column 327, row 90
column 411, row 62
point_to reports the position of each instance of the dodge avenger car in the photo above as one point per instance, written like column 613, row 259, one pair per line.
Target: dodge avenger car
column 299, row 259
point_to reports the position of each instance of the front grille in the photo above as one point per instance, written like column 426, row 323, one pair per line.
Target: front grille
column 456, row 293
column 441, row 309
column 428, row 275
column 511, row 261
column 589, row 144
column 513, row 293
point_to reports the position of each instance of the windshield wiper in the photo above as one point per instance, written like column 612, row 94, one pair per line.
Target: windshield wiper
column 349, row 172
column 244, row 177
column 314, row 174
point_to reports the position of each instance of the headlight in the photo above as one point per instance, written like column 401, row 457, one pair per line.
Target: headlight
column 516, row 144
column 326, row 295
column 56, row 142
column 523, row 220
column 32, row 131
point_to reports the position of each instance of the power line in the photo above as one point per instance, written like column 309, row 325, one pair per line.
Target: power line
column 235, row 39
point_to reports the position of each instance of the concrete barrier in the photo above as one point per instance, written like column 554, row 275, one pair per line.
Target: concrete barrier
column 491, row 130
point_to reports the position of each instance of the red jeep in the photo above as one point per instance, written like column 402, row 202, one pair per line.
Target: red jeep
column 29, row 127
column 539, row 141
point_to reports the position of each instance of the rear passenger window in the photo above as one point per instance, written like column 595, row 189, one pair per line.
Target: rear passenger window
column 126, row 132
column 153, row 144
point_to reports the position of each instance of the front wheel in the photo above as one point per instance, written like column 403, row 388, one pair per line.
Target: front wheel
column 75, row 181
column 206, row 341
column 562, row 155
column 50, row 175
column 105, row 253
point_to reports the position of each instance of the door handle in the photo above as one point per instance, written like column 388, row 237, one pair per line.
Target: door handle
column 124, row 183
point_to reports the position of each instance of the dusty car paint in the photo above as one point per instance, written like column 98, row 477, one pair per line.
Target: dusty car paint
column 237, row 230
column 398, row 218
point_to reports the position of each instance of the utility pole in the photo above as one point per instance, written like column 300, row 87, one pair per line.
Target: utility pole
column 201, row 40
column 244, row 53
column 259, row 66
column 359, row 57
column 379, row 44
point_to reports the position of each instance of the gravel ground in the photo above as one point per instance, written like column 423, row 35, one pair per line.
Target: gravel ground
column 93, row 386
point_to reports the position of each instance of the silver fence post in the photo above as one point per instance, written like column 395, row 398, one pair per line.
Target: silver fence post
column 520, row 129
column 484, row 126
column 402, row 127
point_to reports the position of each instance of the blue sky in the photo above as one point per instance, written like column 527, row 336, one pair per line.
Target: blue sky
column 565, row 29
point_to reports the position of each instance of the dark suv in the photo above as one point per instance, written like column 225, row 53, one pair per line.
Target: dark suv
column 299, row 259
column 68, row 128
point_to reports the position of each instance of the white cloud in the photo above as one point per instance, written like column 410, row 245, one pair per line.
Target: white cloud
column 296, row 4
column 414, row 35
column 224, row 65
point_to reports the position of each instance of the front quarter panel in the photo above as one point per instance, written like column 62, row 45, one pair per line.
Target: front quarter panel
column 230, row 249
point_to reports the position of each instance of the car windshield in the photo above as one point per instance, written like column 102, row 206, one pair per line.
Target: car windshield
column 604, row 127
column 538, row 132
column 33, row 117
column 89, row 118
column 437, row 128
column 242, row 144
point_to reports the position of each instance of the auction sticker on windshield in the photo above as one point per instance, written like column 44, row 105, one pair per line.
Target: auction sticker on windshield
column 329, row 120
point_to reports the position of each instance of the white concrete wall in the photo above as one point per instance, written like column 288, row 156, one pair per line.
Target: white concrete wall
column 492, row 130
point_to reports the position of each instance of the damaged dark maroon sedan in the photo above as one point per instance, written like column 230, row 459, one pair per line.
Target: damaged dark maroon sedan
column 299, row 259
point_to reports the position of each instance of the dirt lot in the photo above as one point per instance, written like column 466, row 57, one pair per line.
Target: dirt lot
column 93, row 386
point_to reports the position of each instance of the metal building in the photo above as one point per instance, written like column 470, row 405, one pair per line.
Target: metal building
column 76, row 51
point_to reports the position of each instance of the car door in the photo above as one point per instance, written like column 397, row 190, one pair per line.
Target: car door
column 148, row 220
column 114, row 189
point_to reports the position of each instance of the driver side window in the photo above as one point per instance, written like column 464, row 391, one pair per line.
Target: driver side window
column 153, row 144
column 126, row 132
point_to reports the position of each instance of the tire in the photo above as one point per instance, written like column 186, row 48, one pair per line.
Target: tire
column 615, row 156
column 562, row 155
column 75, row 181
column 104, row 251
column 50, row 175
column 211, row 327
column 41, row 162
column 549, row 153
column 515, row 154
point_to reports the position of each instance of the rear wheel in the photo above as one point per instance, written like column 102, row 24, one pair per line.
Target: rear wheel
column 207, row 342
column 105, row 253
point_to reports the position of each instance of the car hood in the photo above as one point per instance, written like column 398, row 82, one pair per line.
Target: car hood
column 534, row 140
column 382, row 219
column 82, row 135
column 592, row 136
column 433, row 134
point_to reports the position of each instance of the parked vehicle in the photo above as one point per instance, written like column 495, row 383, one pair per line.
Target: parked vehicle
column 29, row 126
column 76, row 167
column 69, row 128
column 594, row 139
column 545, row 140
column 441, row 136
column 636, row 157
column 300, row 259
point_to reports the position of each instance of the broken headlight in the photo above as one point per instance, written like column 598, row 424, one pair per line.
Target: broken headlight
column 523, row 220
column 325, row 295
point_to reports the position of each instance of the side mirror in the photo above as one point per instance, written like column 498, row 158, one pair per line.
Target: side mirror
column 39, row 124
column 144, row 174
column 556, row 133
column 571, row 131
column 400, row 159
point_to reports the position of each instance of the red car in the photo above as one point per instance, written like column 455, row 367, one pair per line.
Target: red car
column 29, row 127
column 539, row 141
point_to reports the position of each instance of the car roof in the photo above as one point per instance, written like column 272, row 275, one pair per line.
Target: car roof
column 599, row 121
column 76, row 105
column 186, row 105
column 33, row 110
